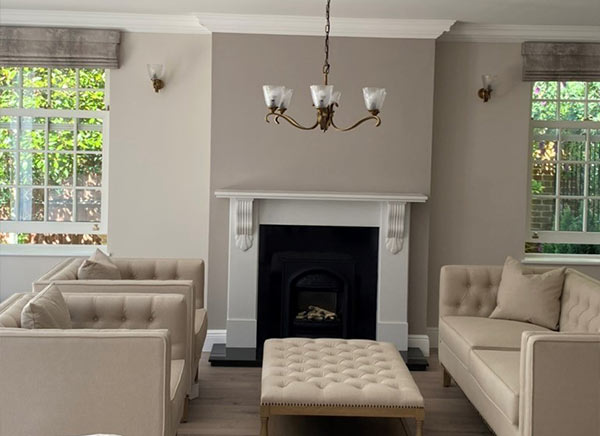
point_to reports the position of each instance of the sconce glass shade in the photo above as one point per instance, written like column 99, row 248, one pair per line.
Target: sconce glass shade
column 374, row 98
column 287, row 98
column 155, row 71
column 321, row 95
column 486, row 80
column 273, row 95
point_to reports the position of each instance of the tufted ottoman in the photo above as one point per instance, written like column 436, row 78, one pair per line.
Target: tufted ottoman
column 336, row 377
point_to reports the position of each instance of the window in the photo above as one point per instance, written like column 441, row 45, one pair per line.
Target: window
column 53, row 131
column 564, row 206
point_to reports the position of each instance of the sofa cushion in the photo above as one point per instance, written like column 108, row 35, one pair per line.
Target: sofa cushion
column 580, row 304
column 463, row 333
column 497, row 372
column 533, row 298
column 46, row 310
column 10, row 310
column 98, row 267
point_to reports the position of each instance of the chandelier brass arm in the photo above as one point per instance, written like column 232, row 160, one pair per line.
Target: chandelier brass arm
column 290, row 120
column 358, row 123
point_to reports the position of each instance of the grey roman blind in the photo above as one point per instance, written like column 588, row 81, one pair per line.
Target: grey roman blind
column 59, row 47
column 561, row 61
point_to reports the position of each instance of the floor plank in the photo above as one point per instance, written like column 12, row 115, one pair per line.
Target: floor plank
column 229, row 397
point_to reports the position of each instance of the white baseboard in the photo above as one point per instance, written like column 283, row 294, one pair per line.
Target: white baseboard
column 433, row 334
column 423, row 342
column 215, row 336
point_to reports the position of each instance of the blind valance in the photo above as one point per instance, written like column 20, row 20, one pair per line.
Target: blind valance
column 561, row 61
column 59, row 47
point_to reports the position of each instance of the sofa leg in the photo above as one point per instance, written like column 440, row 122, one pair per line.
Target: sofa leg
column 186, row 406
column 447, row 377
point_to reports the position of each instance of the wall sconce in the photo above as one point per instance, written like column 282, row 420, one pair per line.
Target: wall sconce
column 486, row 92
column 156, row 72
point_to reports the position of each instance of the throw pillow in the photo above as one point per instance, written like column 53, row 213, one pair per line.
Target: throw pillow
column 533, row 298
column 98, row 267
column 47, row 310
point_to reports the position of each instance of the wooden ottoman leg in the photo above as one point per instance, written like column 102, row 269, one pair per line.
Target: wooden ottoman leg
column 419, row 427
column 264, row 426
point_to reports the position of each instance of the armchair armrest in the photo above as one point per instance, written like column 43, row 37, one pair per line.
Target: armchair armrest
column 59, row 382
column 559, row 384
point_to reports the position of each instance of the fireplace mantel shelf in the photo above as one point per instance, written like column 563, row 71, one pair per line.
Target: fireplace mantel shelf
column 319, row 195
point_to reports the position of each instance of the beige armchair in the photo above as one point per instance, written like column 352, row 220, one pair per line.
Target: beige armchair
column 122, row 369
column 180, row 276
column 524, row 379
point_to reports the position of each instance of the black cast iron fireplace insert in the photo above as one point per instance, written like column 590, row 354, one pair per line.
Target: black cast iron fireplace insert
column 317, row 281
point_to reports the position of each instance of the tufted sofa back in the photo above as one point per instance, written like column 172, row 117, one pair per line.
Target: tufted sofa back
column 137, row 269
column 580, row 304
column 117, row 311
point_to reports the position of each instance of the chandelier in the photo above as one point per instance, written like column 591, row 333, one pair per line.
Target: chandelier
column 324, row 98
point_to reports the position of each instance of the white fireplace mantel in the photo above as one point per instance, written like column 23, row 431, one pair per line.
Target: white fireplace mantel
column 390, row 212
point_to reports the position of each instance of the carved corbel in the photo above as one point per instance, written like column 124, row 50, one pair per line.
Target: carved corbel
column 243, row 223
column 395, row 226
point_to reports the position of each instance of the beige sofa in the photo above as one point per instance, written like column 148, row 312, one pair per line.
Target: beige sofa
column 523, row 379
column 179, row 276
column 122, row 369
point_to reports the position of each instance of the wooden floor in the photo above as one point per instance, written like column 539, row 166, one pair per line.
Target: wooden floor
column 229, row 397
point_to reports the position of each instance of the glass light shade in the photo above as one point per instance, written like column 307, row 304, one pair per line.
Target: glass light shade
column 486, row 79
column 155, row 71
column 321, row 95
column 273, row 95
column 374, row 98
column 287, row 98
column 335, row 98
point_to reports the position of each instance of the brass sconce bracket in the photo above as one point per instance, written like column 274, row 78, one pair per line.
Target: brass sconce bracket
column 485, row 93
column 157, row 84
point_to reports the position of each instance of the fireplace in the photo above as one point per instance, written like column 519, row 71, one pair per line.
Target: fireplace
column 343, row 253
column 317, row 281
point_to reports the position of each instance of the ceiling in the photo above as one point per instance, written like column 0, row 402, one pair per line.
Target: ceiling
column 551, row 12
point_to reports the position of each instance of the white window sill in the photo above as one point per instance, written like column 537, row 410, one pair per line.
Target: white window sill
column 49, row 250
column 561, row 259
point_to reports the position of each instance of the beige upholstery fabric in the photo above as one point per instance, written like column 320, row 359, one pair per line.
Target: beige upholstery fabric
column 533, row 298
column 336, row 372
column 98, row 267
column 70, row 382
column 560, row 384
column 464, row 333
column 46, row 310
column 580, row 304
column 131, row 311
column 10, row 310
column 200, row 331
column 497, row 371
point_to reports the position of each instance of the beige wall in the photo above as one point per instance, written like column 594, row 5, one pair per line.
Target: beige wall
column 480, row 154
column 248, row 152
column 160, row 148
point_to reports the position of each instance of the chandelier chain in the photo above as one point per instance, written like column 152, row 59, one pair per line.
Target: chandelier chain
column 326, row 66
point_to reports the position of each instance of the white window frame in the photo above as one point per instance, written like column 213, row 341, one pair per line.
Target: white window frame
column 71, row 227
column 557, row 236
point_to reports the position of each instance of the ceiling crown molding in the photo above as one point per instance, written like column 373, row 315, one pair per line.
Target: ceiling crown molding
column 314, row 26
column 471, row 32
column 151, row 23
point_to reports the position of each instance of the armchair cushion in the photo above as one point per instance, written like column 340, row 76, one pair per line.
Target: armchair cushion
column 98, row 267
column 46, row 310
column 533, row 298
column 10, row 310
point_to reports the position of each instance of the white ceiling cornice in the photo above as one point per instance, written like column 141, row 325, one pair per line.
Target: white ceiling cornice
column 340, row 26
column 152, row 23
column 471, row 32
column 229, row 23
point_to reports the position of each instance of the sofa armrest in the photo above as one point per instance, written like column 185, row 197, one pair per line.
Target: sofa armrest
column 559, row 384
column 469, row 290
column 84, row 381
